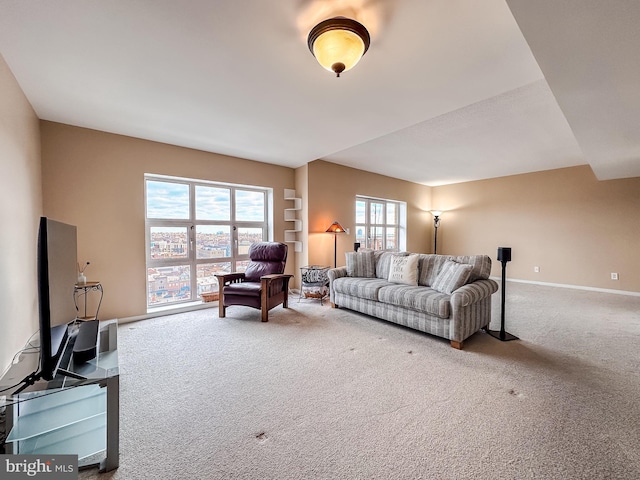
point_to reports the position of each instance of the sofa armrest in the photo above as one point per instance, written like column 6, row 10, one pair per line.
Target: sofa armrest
column 473, row 292
column 332, row 274
column 470, row 309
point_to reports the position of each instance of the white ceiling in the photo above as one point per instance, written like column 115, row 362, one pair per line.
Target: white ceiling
column 449, row 90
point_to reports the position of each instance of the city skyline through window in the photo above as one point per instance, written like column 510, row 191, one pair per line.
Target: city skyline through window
column 380, row 224
column 196, row 230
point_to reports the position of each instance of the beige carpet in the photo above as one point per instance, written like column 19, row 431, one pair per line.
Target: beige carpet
column 320, row 393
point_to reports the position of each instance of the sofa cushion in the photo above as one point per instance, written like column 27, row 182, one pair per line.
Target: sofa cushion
column 383, row 262
column 481, row 266
column 404, row 269
column 422, row 299
column 429, row 266
column 452, row 276
column 366, row 288
column 361, row 264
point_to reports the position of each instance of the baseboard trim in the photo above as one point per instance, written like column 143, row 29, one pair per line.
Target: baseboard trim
column 163, row 311
column 575, row 287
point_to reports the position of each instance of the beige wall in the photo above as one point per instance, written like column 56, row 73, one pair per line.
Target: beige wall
column 577, row 229
column 95, row 180
column 20, row 210
column 332, row 190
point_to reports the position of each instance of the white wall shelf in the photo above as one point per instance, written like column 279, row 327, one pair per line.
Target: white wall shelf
column 291, row 215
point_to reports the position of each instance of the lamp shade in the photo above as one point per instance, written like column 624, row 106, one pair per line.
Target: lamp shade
column 335, row 228
column 338, row 43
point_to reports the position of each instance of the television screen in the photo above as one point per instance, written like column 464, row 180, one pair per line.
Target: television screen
column 57, row 275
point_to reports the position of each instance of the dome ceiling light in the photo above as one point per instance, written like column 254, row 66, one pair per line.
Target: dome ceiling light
column 338, row 43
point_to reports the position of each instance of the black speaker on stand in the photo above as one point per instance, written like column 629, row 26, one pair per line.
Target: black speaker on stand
column 504, row 256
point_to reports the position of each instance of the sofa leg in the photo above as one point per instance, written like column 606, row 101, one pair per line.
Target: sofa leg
column 333, row 305
column 456, row 345
column 265, row 315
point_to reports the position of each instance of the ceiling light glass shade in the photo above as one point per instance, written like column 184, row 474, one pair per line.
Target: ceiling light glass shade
column 337, row 47
column 338, row 43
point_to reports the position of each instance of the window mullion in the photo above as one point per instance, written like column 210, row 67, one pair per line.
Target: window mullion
column 192, row 242
column 233, row 231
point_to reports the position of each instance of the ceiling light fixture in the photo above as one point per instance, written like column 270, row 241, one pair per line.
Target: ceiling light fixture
column 338, row 43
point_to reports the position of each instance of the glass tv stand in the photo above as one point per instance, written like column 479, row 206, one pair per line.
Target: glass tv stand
column 75, row 413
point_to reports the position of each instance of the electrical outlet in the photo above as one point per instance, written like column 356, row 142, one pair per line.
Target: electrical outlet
column 614, row 276
column 536, row 269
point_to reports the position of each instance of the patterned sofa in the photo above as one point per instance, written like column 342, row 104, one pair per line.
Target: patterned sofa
column 443, row 295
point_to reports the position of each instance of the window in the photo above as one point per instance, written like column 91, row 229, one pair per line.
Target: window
column 195, row 230
column 380, row 224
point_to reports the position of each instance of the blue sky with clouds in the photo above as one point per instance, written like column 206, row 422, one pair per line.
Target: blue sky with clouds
column 168, row 200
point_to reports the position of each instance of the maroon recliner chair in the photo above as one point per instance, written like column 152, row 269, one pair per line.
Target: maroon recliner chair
column 263, row 285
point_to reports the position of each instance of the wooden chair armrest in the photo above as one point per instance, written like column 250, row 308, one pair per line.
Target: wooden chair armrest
column 273, row 276
column 276, row 282
column 225, row 278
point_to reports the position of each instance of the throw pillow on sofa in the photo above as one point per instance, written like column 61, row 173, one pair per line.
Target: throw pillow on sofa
column 361, row 264
column 404, row 269
column 383, row 262
column 452, row 276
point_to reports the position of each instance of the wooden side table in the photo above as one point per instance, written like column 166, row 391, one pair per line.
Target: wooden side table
column 82, row 290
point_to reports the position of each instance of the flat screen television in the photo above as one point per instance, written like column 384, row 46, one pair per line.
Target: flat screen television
column 57, row 275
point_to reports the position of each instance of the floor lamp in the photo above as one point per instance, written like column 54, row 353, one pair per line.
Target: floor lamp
column 504, row 256
column 436, row 223
column 335, row 228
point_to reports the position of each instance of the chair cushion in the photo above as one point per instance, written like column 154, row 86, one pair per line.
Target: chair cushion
column 250, row 289
column 267, row 258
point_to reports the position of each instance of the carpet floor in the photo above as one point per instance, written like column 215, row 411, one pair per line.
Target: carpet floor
column 322, row 393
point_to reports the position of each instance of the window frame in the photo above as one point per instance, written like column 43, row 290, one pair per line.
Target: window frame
column 400, row 223
column 235, row 259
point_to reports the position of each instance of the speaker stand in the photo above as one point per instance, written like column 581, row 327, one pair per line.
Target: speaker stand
column 501, row 334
